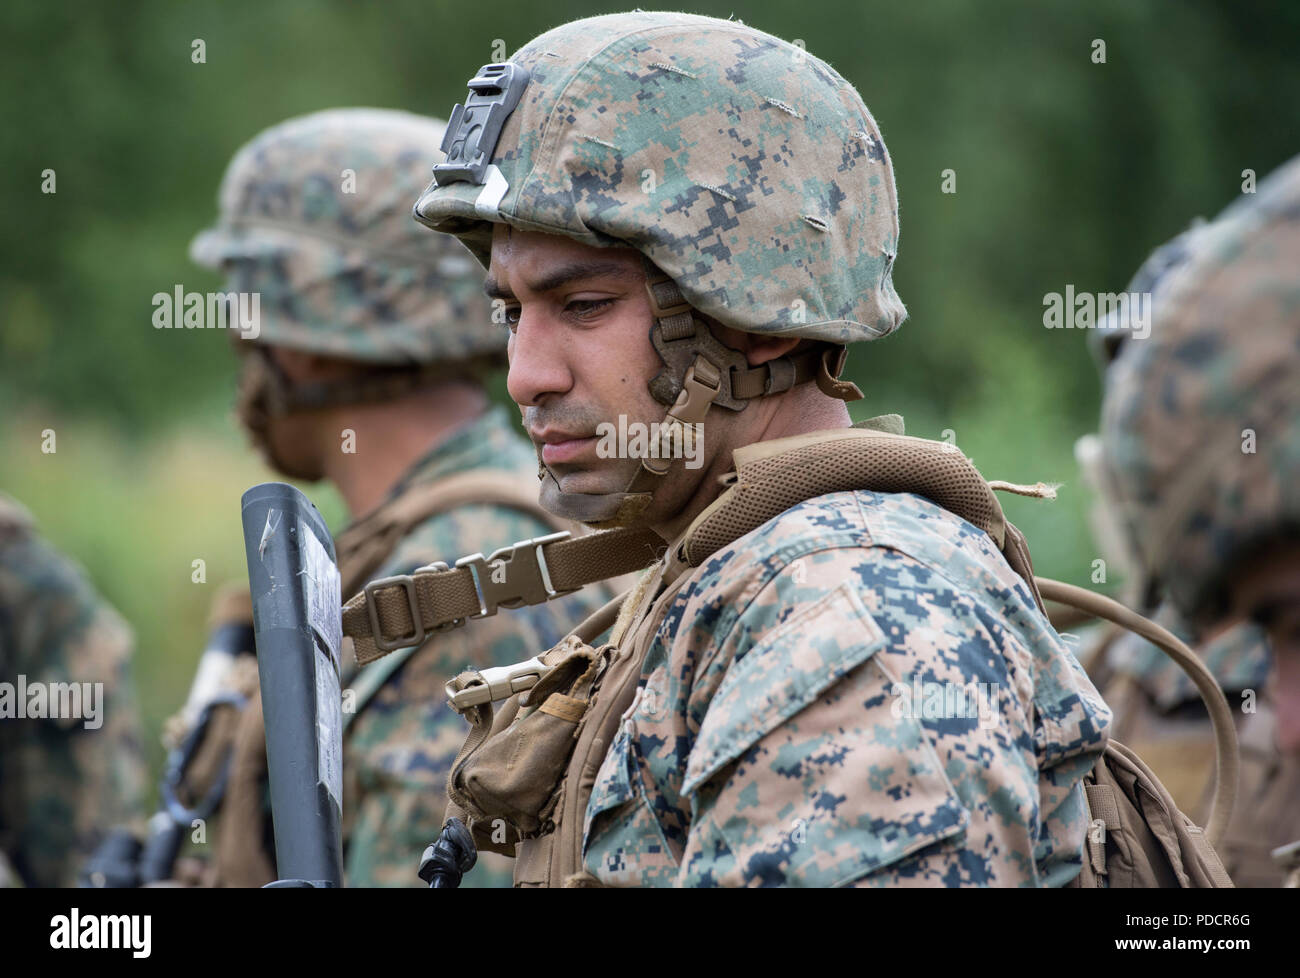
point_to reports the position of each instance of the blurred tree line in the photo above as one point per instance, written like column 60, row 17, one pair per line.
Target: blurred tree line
column 1067, row 171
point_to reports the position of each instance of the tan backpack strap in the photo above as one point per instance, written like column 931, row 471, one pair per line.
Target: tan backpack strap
column 1227, row 756
column 241, row 858
column 366, row 544
column 1213, row 864
column 770, row 477
column 1103, row 809
column 1016, row 552
column 397, row 612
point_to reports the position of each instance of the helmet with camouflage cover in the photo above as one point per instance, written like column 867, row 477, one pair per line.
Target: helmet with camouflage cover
column 1201, row 420
column 749, row 174
column 313, row 217
column 314, row 220
column 1152, row 278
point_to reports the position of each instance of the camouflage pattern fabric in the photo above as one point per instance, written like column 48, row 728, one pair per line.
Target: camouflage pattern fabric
column 1201, row 425
column 1201, row 420
column 1238, row 658
column 315, row 217
column 861, row 691
column 747, row 170
column 1152, row 276
column 399, row 746
column 63, row 784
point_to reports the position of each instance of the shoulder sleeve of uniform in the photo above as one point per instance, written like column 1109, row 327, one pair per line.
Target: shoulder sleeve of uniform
column 801, row 772
column 807, row 764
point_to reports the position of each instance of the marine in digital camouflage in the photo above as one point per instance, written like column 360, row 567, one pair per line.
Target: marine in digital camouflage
column 63, row 784
column 778, row 740
column 1201, row 424
column 315, row 215
column 769, row 741
column 1195, row 495
column 1158, row 710
column 399, row 745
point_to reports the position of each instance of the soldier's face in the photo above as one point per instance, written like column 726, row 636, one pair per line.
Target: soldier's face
column 580, row 350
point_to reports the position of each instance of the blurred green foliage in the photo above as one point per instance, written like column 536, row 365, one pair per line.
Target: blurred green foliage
column 1067, row 171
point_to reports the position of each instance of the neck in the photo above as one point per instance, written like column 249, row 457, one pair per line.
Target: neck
column 391, row 436
column 797, row 412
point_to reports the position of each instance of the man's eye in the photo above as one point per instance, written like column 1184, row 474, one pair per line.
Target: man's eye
column 586, row 308
column 511, row 317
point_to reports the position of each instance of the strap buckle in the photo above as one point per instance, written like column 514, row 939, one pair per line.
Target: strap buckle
column 513, row 576
column 419, row 632
column 497, row 683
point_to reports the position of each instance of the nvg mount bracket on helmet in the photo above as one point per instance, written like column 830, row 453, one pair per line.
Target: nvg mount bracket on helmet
column 474, row 128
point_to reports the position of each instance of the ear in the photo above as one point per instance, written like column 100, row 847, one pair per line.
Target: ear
column 294, row 364
column 758, row 348
column 761, row 349
column 303, row 367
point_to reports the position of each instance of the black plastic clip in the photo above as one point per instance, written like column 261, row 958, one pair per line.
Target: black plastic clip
column 474, row 128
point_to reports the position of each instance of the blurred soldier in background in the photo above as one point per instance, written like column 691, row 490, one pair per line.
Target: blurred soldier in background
column 1201, row 429
column 64, row 780
column 1158, row 710
column 367, row 370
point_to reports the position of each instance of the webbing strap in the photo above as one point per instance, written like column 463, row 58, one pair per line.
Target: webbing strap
column 1103, row 809
column 400, row 611
column 370, row 541
column 367, row 543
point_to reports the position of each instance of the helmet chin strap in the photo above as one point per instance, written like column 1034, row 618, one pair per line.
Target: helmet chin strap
column 700, row 372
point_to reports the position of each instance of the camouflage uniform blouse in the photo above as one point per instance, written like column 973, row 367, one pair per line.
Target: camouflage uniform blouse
column 861, row 691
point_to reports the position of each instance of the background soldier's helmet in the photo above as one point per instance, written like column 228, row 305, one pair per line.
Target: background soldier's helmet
column 314, row 216
column 749, row 172
column 1152, row 278
column 1201, row 420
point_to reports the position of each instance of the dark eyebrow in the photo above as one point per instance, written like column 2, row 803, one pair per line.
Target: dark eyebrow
column 562, row 276
column 495, row 290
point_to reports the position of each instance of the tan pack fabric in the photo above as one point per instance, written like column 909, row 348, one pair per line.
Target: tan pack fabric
column 509, row 772
column 1137, row 836
column 555, row 859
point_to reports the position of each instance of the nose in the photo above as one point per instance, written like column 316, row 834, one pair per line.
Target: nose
column 539, row 364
